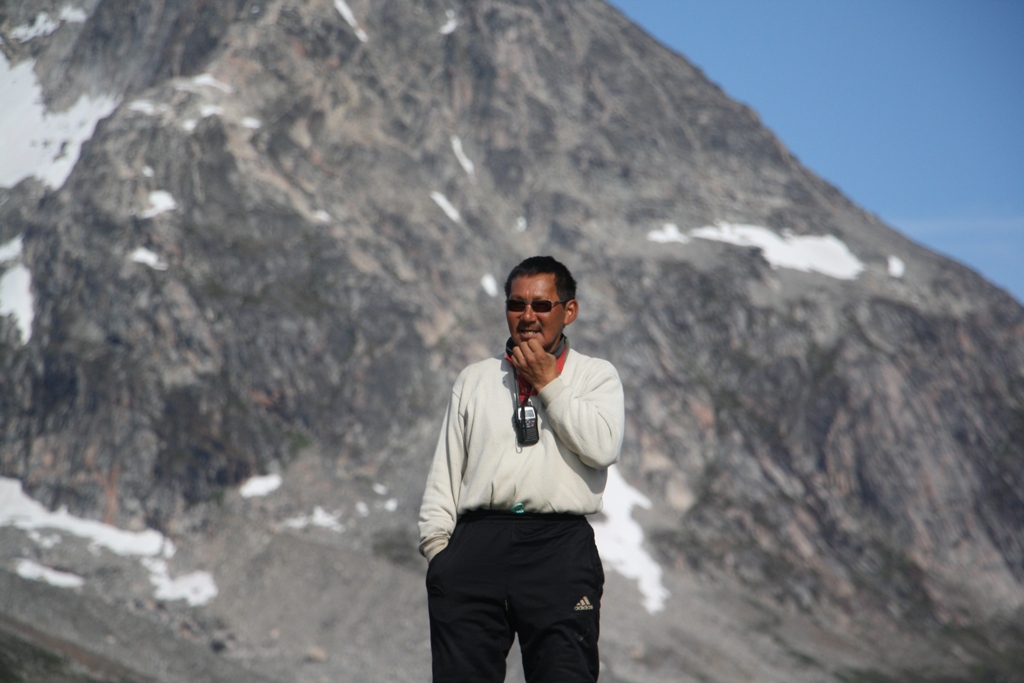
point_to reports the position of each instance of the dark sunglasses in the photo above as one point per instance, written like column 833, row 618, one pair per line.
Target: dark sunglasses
column 542, row 306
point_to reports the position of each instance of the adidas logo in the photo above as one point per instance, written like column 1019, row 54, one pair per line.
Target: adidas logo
column 584, row 604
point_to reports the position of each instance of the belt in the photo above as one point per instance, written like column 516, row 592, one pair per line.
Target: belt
column 474, row 515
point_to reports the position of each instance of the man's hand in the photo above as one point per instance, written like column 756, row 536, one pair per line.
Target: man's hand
column 534, row 364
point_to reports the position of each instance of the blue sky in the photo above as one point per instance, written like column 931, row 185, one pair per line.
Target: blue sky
column 913, row 108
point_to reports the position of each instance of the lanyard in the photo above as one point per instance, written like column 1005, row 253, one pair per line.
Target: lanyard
column 525, row 417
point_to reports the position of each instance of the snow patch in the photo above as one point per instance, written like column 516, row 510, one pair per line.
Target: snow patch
column 203, row 81
column 320, row 518
column 251, row 123
column 197, row 588
column 147, row 258
column 16, row 289
column 22, row 512
column 346, row 13
column 451, row 24
column 211, row 110
column 490, row 285
column 521, row 224
column 16, row 299
column 260, row 486
column 446, row 206
column 322, row 216
column 11, row 250
column 73, row 15
column 897, row 268
column 464, row 161
column 148, row 172
column 620, row 541
column 147, row 107
column 159, row 202
column 668, row 233
column 807, row 253
column 27, row 569
column 46, row 541
column 379, row 489
column 39, row 143
column 391, row 504
column 43, row 25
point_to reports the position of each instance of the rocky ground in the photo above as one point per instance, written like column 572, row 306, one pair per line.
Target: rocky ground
column 314, row 604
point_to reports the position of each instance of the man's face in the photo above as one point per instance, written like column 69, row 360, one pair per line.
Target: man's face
column 529, row 324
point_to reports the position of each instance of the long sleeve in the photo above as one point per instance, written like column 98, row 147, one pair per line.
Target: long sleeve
column 439, row 510
column 588, row 416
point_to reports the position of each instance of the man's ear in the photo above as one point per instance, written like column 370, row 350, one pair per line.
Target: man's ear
column 572, row 309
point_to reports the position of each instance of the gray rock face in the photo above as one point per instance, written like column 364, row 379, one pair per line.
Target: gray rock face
column 317, row 202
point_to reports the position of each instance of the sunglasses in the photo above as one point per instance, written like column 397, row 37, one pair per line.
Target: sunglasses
column 542, row 306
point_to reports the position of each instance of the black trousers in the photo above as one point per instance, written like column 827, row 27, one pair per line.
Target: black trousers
column 502, row 574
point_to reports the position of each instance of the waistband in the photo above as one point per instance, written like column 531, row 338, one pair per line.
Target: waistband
column 508, row 515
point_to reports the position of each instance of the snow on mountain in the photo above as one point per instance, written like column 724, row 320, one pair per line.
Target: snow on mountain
column 620, row 540
column 37, row 142
column 152, row 548
column 808, row 253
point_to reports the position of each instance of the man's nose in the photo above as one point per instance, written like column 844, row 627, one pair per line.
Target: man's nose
column 529, row 313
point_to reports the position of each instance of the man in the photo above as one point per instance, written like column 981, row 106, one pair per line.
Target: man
column 523, row 455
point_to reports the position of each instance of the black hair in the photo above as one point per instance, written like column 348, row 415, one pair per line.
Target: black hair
column 565, row 285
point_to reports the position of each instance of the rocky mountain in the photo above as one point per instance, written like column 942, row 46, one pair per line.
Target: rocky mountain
column 254, row 241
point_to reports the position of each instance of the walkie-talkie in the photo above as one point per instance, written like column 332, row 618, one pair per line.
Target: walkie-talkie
column 525, row 422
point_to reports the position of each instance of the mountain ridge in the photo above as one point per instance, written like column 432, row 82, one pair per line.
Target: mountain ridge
column 318, row 215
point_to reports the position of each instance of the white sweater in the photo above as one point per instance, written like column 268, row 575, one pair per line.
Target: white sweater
column 479, row 465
